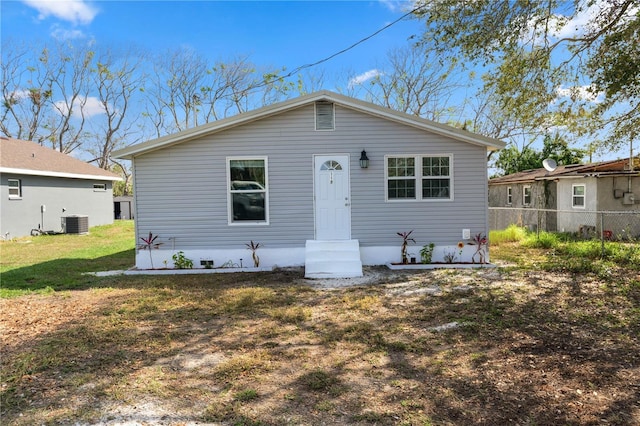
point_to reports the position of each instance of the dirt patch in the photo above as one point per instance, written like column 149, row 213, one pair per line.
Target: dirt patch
column 494, row 346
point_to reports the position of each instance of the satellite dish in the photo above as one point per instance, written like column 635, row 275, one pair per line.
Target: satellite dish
column 549, row 164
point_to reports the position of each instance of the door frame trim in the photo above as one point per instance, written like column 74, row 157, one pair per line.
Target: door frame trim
column 313, row 171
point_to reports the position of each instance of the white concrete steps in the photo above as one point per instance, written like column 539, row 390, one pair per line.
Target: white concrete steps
column 332, row 259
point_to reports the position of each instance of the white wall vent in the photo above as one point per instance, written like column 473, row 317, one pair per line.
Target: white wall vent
column 325, row 116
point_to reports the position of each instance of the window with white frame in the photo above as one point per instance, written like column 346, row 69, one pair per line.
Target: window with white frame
column 526, row 195
column 15, row 188
column 419, row 177
column 248, row 190
column 578, row 196
column 509, row 195
column 99, row 187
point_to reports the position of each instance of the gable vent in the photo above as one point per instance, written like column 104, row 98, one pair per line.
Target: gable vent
column 324, row 116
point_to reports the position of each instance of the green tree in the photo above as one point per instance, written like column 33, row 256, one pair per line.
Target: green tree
column 557, row 148
column 512, row 159
column 552, row 62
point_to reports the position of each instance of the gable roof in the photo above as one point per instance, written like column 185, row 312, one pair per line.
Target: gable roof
column 29, row 158
column 603, row 168
column 277, row 108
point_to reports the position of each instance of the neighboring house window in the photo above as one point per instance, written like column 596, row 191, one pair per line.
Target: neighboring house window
column 526, row 195
column 419, row 177
column 15, row 188
column 248, row 190
column 99, row 186
column 325, row 116
column 509, row 195
column 578, row 196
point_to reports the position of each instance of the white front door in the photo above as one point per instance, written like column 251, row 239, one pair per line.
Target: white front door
column 332, row 197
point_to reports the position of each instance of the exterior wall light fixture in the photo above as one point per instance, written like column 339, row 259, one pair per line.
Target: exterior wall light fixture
column 364, row 160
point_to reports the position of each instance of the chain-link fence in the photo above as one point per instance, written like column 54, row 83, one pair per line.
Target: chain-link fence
column 604, row 225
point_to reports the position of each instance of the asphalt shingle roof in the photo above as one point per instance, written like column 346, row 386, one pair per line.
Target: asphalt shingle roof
column 31, row 158
column 614, row 166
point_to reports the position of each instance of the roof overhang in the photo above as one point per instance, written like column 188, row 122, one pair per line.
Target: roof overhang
column 10, row 170
column 344, row 101
column 592, row 175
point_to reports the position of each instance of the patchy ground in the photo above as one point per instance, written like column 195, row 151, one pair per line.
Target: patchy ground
column 448, row 347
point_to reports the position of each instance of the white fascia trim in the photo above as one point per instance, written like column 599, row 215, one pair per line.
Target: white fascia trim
column 56, row 174
column 247, row 117
column 210, row 128
column 419, row 122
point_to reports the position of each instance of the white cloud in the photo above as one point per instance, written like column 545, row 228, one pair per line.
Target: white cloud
column 74, row 11
column 20, row 94
column 579, row 23
column 562, row 27
column 91, row 107
column 395, row 5
column 364, row 77
column 63, row 34
column 580, row 93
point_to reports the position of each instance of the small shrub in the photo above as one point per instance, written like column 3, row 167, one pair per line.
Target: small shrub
column 544, row 240
column 426, row 253
column 180, row 261
column 450, row 257
column 512, row 234
column 590, row 249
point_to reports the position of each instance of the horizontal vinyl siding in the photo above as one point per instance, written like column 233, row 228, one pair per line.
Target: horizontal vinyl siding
column 181, row 191
column 376, row 221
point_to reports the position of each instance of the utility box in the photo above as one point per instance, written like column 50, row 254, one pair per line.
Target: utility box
column 628, row 198
column 75, row 224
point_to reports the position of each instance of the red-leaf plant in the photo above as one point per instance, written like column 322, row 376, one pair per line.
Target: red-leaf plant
column 406, row 237
column 480, row 241
column 254, row 247
column 149, row 243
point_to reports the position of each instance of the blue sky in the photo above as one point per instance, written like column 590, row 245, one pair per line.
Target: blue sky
column 273, row 33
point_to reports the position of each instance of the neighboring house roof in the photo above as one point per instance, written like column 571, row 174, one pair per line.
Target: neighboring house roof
column 344, row 101
column 604, row 168
column 29, row 158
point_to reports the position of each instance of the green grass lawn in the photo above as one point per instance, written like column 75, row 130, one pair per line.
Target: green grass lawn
column 56, row 262
column 563, row 253
column 548, row 337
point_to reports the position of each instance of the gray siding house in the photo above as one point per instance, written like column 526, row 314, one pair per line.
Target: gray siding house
column 572, row 196
column 39, row 186
column 323, row 180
